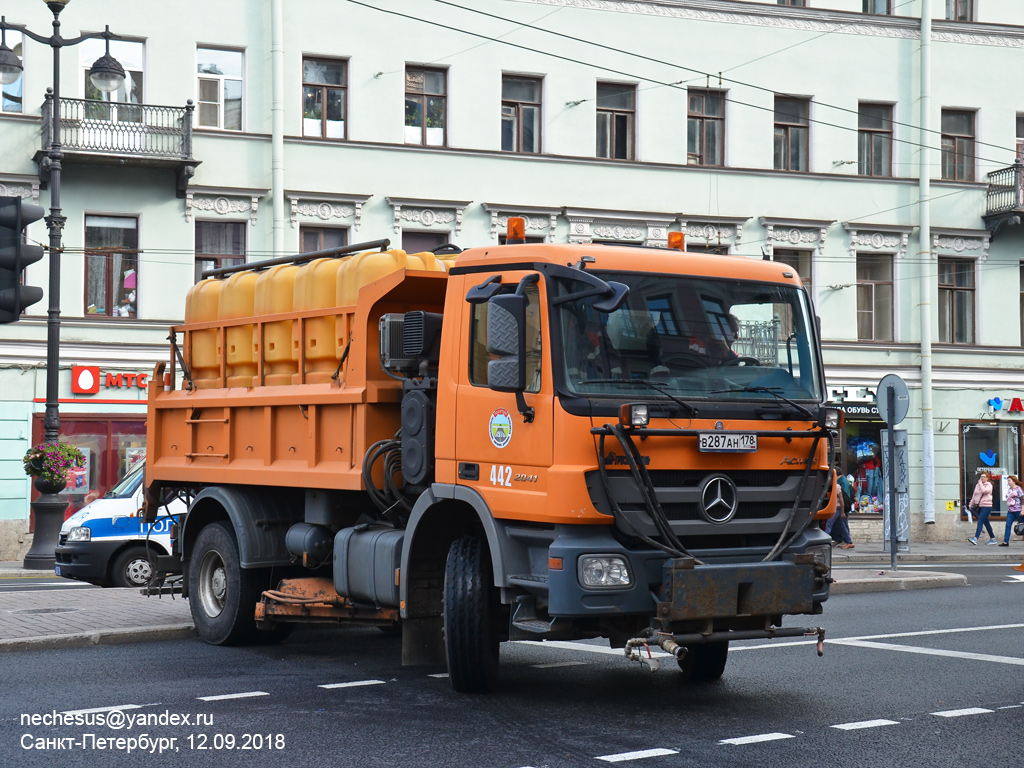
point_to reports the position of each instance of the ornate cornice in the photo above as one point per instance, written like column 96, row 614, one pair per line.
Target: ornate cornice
column 881, row 238
column 12, row 185
column 964, row 243
column 428, row 213
column 809, row 19
column 540, row 221
column 628, row 226
column 714, row 230
column 324, row 208
column 805, row 234
column 224, row 202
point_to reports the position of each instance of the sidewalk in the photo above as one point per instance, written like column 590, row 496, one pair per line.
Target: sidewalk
column 60, row 617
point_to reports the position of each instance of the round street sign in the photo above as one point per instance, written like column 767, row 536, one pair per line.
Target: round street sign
column 902, row 398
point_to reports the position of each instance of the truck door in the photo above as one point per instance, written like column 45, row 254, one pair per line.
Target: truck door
column 511, row 456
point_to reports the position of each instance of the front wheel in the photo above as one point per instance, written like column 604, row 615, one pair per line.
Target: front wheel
column 132, row 568
column 705, row 663
column 470, row 610
column 222, row 596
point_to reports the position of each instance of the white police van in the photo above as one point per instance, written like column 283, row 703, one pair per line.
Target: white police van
column 105, row 542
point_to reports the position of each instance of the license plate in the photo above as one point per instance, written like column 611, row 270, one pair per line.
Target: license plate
column 742, row 442
column 56, row 569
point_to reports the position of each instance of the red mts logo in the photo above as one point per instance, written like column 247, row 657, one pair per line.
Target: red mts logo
column 85, row 379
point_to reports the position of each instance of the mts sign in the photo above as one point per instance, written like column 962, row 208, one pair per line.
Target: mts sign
column 86, row 379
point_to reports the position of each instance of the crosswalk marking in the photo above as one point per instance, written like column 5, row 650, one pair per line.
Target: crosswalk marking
column 864, row 724
column 624, row 756
column 761, row 737
column 963, row 712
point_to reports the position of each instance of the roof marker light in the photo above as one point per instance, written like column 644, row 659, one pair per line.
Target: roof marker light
column 516, row 232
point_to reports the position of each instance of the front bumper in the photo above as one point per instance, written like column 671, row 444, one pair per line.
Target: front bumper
column 86, row 560
column 733, row 583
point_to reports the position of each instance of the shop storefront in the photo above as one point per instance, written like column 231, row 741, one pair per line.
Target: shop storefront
column 993, row 447
column 859, row 455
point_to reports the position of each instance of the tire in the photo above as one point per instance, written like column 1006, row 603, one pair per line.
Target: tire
column 132, row 568
column 704, row 663
column 222, row 596
column 470, row 610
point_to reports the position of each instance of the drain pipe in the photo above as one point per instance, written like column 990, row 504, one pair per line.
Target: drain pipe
column 926, row 260
column 277, row 124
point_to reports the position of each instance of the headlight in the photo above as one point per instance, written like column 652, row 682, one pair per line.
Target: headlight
column 604, row 571
column 634, row 415
column 79, row 534
column 833, row 418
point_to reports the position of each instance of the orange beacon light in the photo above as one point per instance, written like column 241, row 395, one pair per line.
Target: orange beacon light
column 516, row 232
column 677, row 241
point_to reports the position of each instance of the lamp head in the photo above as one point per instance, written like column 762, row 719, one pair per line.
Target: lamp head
column 10, row 65
column 107, row 74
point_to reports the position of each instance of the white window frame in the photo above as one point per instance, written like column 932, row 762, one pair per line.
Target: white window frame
column 221, row 79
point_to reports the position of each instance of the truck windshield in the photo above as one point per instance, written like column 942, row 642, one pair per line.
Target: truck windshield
column 690, row 336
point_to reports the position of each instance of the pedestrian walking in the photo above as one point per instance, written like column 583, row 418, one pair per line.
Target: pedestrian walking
column 981, row 505
column 837, row 525
column 1014, row 494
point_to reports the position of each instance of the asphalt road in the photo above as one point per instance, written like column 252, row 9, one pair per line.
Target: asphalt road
column 919, row 678
column 45, row 581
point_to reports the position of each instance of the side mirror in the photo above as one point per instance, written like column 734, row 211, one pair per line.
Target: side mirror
column 506, row 337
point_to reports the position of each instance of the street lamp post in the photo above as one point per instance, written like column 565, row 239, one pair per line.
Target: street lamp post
column 107, row 75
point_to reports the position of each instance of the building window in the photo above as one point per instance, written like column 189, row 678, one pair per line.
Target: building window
column 220, row 88
column 715, row 249
column 874, row 297
column 791, row 129
column 1020, row 137
column 323, row 98
column 219, row 244
column 705, row 127
column 425, row 107
column 419, row 242
column 616, row 116
column 11, row 99
column 960, row 10
column 800, row 261
column 874, row 140
column 111, row 266
column 1022, row 305
column 956, row 301
column 794, row 3
column 957, row 145
column 320, row 238
column 520, row 114
column 880, row 7
column 131, row 56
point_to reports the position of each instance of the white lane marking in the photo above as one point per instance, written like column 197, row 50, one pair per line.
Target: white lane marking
column 1012, row 706
column 102, row 709
column 933, row 652
column 864, row 724
column 919, row 633
column 571, row 646
column 555, row 664
column 355, row 684
column 962, row 712
column 758, row 739
column 222, row 697
column 624, row 756
column 47, row 586
column 1013, row 579
column 439, row 674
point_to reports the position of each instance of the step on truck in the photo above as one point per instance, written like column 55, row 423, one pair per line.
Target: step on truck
column 513, row 442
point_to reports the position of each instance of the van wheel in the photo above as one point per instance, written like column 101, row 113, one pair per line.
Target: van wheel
column 222, row 596
column 705, row 663
column 470, row 609
column 132, row 568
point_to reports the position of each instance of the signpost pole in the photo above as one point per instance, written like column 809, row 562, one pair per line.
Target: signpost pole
column 891, row 436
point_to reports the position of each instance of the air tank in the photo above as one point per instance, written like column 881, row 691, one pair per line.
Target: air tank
column 236, row 301
column 275, row 293
column 202, row 304
column 315, row 289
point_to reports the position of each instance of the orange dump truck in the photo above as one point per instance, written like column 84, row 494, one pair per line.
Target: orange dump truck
column 514, row 442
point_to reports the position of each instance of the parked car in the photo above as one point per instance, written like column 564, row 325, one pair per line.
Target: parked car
column 106, row 543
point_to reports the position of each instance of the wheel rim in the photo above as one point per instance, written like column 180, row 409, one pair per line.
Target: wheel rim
column 138, row 571
column 213, row 583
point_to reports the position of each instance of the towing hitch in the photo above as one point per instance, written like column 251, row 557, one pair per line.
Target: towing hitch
column 639, row 648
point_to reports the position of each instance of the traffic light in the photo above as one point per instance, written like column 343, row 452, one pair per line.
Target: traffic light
column 15, row 255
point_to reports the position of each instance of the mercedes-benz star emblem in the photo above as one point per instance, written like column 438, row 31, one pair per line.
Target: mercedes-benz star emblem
column 718, row 499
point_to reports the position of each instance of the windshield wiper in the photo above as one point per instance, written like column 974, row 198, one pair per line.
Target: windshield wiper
column 767, row 391
column 646, row 382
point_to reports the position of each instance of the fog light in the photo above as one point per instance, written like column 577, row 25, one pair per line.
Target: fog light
column 634, row 415
column 80, row 534
column 833, row 418
column 604, row 571
column 822, row 556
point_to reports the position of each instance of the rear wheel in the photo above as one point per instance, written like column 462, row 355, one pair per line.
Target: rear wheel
column 705, row 663
column 470, row 610
column 223, row 596
column 132, row 568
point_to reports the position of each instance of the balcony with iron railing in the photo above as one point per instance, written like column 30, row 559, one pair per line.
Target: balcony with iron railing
column 119, row 133
column 1004, row 205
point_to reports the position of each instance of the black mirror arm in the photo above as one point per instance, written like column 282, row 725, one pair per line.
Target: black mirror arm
column 526, row 410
